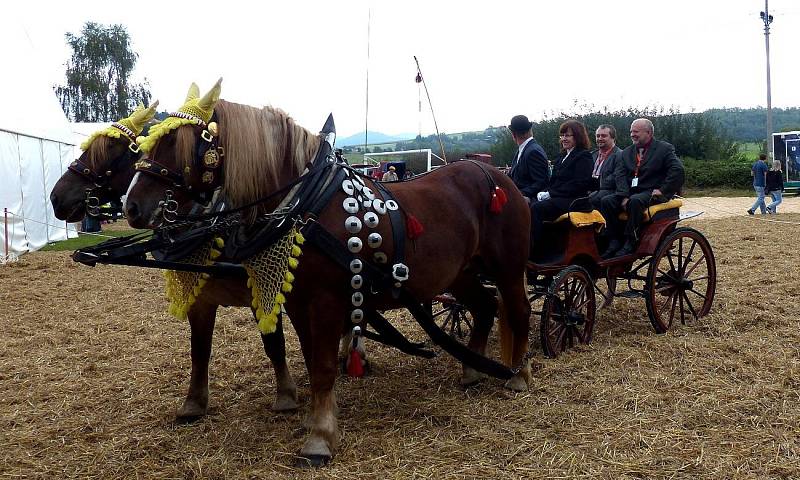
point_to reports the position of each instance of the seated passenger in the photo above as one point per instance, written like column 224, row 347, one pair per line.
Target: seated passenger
column 571, row 178
column 646, row 173
column 604, row 162
column 529, row 168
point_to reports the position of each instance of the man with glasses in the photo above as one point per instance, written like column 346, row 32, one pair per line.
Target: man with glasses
column 646, row 173
column 529, row 169
column 604, row 161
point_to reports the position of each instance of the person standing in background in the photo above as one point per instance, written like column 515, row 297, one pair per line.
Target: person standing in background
column 759, row 173
column 774, row 186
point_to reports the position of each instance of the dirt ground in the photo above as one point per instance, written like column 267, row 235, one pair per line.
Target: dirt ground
column 92, row 370
column 718, row 207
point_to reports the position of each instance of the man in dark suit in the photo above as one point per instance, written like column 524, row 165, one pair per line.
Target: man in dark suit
column 529, row 169
column 604, row 159
column 647, row 172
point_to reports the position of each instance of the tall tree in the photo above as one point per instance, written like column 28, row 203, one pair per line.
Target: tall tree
column 98, row 87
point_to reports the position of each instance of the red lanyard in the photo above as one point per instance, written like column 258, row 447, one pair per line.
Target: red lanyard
column 639, row 162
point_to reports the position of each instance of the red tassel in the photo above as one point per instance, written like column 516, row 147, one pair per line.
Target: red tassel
column 354, row 366
column 413, row 227
column 499, row 198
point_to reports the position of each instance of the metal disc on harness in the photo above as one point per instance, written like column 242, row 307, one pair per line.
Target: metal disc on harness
column 380, row 257
column 348, row 187
column 392, row 205
column 356, row 282
column 367, row 204
column 368, row 193
column 352, row 224
column 370, row 219
column 374, row 240
column 354, row 244
column 357, row 316
column 379, row 206
column 350, row 205
column 357, row 299
column 356, row 266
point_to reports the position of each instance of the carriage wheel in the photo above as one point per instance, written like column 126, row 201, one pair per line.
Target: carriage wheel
column 569, row 311
column 681, row 279
column 451, row 316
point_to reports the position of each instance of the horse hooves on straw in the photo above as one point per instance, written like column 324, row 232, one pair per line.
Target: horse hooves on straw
column 517, row 384
column 470, row 377
column 187, row 419
column 285, row 404
column 312, row 461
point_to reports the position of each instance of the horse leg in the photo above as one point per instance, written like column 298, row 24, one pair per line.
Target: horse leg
column 482, row 305
column 202, row 317
column 320, row 329
column 285, row 388
column 516, row 314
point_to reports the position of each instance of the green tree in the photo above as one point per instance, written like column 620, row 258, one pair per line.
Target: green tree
column 98, row 86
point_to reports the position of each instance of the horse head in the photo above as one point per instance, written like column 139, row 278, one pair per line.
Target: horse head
column 211, row 144
column 103, row 171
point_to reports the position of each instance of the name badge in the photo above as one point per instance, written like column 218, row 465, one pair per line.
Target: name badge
column 635, row 182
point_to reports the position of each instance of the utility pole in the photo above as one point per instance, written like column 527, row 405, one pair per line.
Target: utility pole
column 767, row 18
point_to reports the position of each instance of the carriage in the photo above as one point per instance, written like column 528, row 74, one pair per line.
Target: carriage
column 673, row 270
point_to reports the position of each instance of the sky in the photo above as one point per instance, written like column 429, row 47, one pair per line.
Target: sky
column 483, row 61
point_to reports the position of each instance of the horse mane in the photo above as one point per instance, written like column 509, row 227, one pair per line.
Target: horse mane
column 97, row 152
column 262, row 146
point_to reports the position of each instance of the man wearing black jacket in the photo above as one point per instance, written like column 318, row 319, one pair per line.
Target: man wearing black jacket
column 529, row 169
column 646, row 173
column 604, row 159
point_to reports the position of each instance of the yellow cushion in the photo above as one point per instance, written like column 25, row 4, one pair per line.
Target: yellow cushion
column 653, row 209
column 583, row 219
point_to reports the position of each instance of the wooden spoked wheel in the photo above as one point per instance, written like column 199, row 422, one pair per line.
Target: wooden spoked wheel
column 681, row 279
column 451, row 316
column 569, row 311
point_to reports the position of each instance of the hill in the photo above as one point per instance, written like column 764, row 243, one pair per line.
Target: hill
column 373, row 137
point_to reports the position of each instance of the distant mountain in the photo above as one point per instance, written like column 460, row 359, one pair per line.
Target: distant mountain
column 372, row 138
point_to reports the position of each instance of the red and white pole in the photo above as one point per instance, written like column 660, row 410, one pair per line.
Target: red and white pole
column 5, row 222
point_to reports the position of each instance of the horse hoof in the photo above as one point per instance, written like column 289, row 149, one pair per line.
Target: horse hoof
column 471, row 377
column 190, row 412
column 285, row 404
column 517, row 384
column 187, row 419
column 312, row 461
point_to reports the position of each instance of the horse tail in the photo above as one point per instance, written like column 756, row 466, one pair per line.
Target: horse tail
column 506, row 334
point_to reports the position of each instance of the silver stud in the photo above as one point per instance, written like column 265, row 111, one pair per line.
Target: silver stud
column 374, row 240
column 356, row 282
column 368, row 193
column 357, row 299
column 379, row 206
column 366, row 204
column 350, row 205
column 354, row 244
column 352, row 224
column 392, row 205
column 370, row 219
column 380, row 257
column 357, row 183
column 348, row 187
column 357, row 316
column 356, row 265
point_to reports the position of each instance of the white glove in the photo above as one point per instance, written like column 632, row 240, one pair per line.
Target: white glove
column 541, row 196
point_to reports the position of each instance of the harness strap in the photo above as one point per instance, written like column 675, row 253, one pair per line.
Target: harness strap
column 398, row 233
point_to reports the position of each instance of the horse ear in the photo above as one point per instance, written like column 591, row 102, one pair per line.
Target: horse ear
column 141, row 117
column 194, row 92
column 210, row 99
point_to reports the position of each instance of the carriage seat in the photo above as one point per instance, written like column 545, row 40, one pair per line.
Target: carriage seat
column 650, row 211
column 583, row 219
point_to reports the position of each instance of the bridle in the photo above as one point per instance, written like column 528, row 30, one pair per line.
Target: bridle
column 208, row 158
column 102, row 180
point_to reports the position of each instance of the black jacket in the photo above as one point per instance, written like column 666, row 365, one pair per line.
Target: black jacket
column 572, row 176
column 774, row 181
column 606, row 180
column 660, row 169
column 530, row 173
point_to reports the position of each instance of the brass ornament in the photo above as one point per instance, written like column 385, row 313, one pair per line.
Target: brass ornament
column 213, row 129
column 142, row 164
column 211, row 159
column 208, row 177
column 187, row 170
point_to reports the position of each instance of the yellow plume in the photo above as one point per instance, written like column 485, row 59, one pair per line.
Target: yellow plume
column 206, row 104
column 194, row 93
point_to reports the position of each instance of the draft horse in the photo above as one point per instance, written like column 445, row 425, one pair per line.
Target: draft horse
column 459, row 236
column 103, row 173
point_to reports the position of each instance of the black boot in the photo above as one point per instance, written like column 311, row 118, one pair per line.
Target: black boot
column 613, row 246
column 628, row 248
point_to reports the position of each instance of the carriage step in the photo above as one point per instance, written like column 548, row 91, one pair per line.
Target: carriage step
column 631, row 294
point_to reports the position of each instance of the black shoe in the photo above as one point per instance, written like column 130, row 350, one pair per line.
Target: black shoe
column 613, row 246
column 627, row 249
column 750, row 212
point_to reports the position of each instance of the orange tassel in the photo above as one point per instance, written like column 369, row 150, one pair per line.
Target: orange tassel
column 413, row 227
column 354, row 366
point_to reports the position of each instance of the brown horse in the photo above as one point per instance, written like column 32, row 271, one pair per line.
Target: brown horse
column 102, row 174
column 461, row 238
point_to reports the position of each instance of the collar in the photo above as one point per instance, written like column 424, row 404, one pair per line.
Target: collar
column 524, row 144
column 646, row 145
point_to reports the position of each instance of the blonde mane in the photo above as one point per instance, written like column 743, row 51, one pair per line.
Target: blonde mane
column 97, row 153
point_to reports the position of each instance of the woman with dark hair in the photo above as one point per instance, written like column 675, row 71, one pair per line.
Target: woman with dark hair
column 571, row 178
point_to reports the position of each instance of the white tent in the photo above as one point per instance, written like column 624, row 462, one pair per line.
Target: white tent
column 36, row 145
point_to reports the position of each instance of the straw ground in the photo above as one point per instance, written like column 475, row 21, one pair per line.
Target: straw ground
column 92, row 370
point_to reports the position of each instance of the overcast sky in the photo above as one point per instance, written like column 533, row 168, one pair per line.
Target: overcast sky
column 483, row 61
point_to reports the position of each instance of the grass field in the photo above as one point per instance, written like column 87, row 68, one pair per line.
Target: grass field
column 87, row 240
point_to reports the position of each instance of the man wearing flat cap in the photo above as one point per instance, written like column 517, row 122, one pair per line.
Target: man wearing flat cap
column 529, row 169
column 390, row 175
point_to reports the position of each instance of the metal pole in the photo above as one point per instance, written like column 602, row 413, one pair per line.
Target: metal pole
column 767, row 20
column 5, row 222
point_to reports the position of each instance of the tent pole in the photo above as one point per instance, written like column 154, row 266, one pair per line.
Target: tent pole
column 5, row 223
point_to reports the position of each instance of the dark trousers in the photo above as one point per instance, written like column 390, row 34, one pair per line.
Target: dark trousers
column 611, row 206
column 546, row 211
column 597, row 196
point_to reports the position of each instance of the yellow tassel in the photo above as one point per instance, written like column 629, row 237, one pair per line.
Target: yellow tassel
column 259, row 313
column 275, row 311
column 201, row 282
column 249, row 282
column 254, row 303
column 293, row 263
column 286, row 287
column 280, row 298
column 289, row 276
column 214, row 254
column 196, row 290
column 267, row 324
column 219, row 242
column 299, row 238
column 296, row 252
